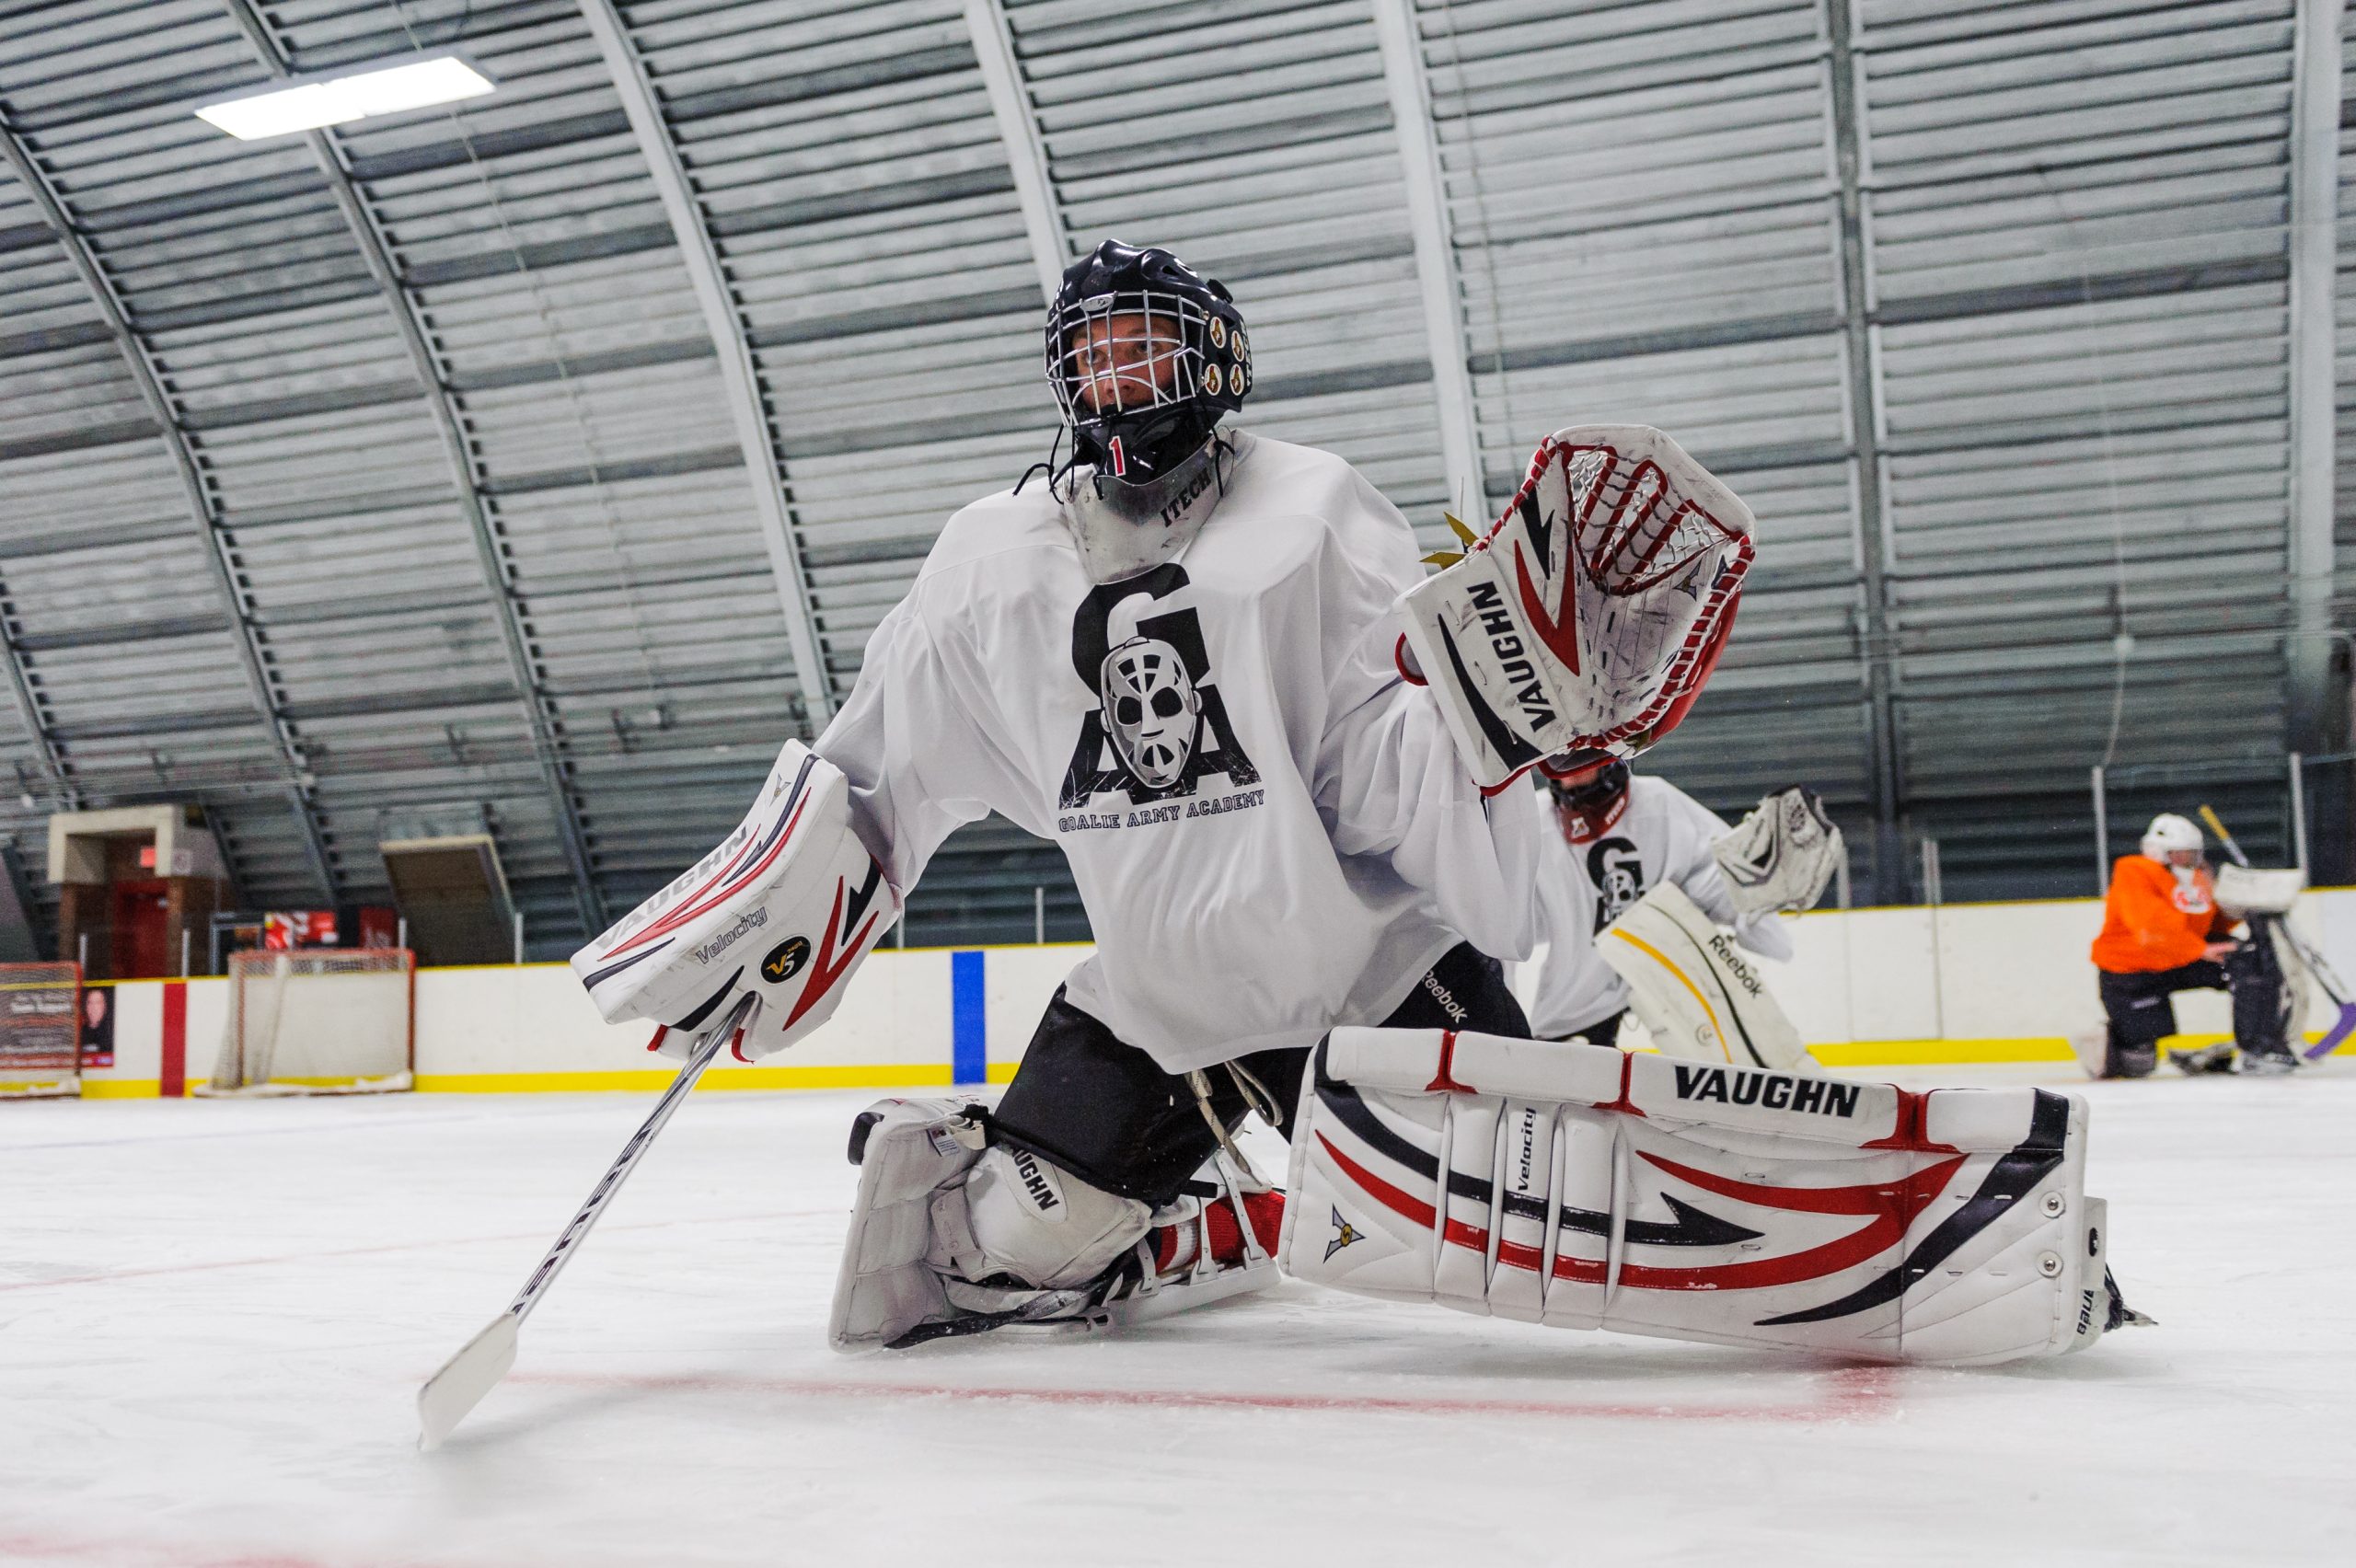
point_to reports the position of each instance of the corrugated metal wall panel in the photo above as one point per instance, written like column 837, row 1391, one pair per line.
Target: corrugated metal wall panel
column 2077, row 222
column 2344, row 380
column 835, row 189
column 2075, row 293
column 1256, row 142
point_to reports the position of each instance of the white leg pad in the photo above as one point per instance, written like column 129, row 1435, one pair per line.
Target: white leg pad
column 1699, row 994
column 1579, row 1187
column 913, row 1149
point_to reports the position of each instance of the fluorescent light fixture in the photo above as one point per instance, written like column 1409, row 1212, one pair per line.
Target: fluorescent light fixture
column 338, row 101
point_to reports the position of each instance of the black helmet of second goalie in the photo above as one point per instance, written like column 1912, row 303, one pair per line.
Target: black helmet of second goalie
column 1146, row 356
column 1590, row 791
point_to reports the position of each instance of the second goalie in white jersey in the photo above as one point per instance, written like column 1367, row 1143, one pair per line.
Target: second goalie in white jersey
column 1621, row 836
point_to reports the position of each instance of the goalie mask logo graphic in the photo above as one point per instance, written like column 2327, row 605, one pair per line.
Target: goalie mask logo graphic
column 1160, row 727
column 1151, row 707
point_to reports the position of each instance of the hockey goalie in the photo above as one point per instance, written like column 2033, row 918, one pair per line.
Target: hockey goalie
column 1650, row 904
column 1279, row 759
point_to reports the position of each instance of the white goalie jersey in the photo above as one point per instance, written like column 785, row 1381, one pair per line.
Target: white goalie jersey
column 1663, row 835
column 1273, row 833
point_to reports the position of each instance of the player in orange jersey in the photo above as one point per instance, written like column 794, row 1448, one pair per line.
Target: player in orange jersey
column 2163, row 932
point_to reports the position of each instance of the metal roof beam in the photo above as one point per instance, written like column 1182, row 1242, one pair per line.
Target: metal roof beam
column 1436, row 271
column 1026, row 150
column 490, row 555
column 772, row 494
column 29, row 708
column 204, row 509
column 1876, row 650
column 2318, row 723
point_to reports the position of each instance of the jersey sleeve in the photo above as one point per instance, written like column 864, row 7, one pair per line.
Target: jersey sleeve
column 920, row 760
column 1388, row 778
column 1391, row 783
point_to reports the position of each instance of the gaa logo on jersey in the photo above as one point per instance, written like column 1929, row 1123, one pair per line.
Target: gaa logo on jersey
column 1617, row 874
column 1159, row 726
column 785, row 959
column 2190, row 898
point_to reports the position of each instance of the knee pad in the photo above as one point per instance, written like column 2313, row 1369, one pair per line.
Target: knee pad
column 1016, row 1214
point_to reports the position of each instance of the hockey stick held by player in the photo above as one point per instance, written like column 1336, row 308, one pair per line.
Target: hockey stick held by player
column 2241, row 892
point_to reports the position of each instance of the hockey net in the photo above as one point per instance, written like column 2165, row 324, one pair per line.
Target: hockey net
column 41, row 1030
column 316, row 1021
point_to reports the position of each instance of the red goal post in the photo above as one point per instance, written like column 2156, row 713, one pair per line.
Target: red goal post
column 318, row 1021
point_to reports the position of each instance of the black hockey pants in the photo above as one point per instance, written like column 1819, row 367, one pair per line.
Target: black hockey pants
column 2142, row 1007
column 1106, row 1111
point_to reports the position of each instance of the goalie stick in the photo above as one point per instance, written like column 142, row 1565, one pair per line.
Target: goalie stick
column 466, row 1376
column 2333, row 987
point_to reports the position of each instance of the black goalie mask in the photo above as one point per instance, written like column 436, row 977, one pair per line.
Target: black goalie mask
column 1146, row 357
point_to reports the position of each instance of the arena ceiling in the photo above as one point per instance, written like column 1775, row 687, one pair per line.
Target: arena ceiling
column 549, row 456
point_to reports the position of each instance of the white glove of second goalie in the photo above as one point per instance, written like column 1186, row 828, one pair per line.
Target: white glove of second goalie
column 786, row 907
column 1781, row 856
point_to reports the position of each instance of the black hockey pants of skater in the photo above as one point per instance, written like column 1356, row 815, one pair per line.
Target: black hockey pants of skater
column 2141, row 1011
column 1107, row 1112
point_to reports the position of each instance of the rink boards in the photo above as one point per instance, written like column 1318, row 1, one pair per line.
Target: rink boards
column 1966, row 983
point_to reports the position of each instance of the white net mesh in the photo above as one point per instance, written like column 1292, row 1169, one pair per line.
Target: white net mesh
column 319, row 1020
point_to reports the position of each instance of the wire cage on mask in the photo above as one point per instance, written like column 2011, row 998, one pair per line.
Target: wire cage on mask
column 1118, row 408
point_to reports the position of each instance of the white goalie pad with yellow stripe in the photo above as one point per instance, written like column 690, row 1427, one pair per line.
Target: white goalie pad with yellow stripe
column 1582, row 1187
column 1701, row 996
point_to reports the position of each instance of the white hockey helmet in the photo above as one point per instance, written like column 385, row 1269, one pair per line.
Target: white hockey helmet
column 2167, row 835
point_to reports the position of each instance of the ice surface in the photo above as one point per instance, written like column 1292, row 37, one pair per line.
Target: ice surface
column 215, row 1317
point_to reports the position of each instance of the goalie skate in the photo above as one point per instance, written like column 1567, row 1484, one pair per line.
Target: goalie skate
column 913, row 1271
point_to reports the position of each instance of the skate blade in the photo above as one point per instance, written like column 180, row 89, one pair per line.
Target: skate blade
column 450, row 1393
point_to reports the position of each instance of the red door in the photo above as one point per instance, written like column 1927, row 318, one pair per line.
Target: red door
column 140, row 930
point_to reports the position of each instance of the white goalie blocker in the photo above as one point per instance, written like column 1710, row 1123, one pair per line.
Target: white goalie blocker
column 1581, row 1187
column 1592, row 613
column 785, row 908
column 2244, row 891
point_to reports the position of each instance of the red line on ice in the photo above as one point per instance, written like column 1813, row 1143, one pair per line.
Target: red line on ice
column 1843, row 1394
